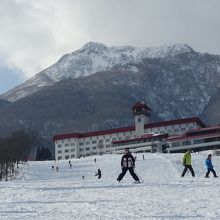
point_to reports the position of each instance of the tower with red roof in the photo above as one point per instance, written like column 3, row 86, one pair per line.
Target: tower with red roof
column 142, row 115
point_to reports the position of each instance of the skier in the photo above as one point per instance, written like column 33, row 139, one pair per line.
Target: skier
column 52, row 167
column 128, row 163
column 209, row 166
column 57, row 168
column 95, row 160
column 99, row 174
column 143, row 157
column 187, row 163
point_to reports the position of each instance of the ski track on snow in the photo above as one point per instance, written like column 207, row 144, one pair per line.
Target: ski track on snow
column 44, row 193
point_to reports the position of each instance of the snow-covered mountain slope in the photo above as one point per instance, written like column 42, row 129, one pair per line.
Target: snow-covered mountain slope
column 92, row 58
column 49, row 194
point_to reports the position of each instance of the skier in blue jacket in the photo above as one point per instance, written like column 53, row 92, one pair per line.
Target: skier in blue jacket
column 209, row 166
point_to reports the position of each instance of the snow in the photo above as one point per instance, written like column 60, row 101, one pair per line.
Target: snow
column 94, row 57
column 44, row 193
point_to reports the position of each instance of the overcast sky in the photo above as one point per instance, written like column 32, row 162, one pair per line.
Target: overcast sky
column 34, row 34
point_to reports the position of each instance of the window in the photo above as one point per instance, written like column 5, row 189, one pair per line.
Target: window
column 198, row 141
column 175, row 144
column 81, row 149
column 114, row 139
column 107, row 146
column 59, row 158
column 87, row 142
column 67, row 157
column 66, row 151
column 72, row 144
column 100, row 141
column 66, row 145
column 88, row 148
column 94, row 148
column 183, row 143
column 183, row 129
column 73, row 155
column 176, row 130
column 73, row 150
column 81, row 143
column 59, row 146
column 107, row 140
column 94, row 142
column 59, row 152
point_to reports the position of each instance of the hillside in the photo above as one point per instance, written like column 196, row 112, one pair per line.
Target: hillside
column 211, row 112
column 44, row 193
column 3, row 103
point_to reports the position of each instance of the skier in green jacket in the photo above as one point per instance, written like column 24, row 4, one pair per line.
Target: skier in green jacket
column 187, row 163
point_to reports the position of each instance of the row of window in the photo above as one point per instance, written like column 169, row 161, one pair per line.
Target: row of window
column 66, row 151
column 66, row 157
column 196, row 141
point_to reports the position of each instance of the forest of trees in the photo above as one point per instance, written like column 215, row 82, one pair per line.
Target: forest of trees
column 43, row 154
column 15, row 149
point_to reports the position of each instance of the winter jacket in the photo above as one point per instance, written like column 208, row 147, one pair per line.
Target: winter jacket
column 208, row 164
column 187, row 159
column 127, row 161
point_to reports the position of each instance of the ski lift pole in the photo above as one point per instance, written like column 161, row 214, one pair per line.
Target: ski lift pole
column 139, row 176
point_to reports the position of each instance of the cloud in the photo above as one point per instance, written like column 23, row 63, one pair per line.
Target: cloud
column 35, row 34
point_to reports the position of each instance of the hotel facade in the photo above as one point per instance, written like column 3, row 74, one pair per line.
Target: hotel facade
column 141, row 137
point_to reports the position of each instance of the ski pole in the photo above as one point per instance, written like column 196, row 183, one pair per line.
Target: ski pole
column 202, row 172
column 139, row 176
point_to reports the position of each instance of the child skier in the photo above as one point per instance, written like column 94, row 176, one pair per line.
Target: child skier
column 99, row 174
column 209, row 166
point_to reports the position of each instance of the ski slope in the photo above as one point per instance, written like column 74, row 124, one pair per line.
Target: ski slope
column 43, row 193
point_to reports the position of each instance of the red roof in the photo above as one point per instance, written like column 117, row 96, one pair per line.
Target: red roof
column 185, row 137
column 203, row 129
column 197, row 133
column 140, row 105
column 127, row 129
column 177, row 121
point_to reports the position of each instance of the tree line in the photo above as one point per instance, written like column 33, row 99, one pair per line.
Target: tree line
column 15, row 149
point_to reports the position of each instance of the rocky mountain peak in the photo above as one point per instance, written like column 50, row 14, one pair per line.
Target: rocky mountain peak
column 94, row 47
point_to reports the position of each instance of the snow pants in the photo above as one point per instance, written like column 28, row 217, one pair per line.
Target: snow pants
column 211, row 170
column 186, row 168
column 124, row 170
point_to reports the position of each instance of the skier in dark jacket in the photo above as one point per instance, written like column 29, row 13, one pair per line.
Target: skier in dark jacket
column 209, row 166
column 99, row 174
column 128, row 163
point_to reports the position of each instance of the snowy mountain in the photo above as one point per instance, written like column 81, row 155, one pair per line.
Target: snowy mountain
column 43, row 193
column 92, row 58
column 175, row 81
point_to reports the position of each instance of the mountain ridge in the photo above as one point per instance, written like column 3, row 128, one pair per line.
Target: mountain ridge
column 91, row 58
